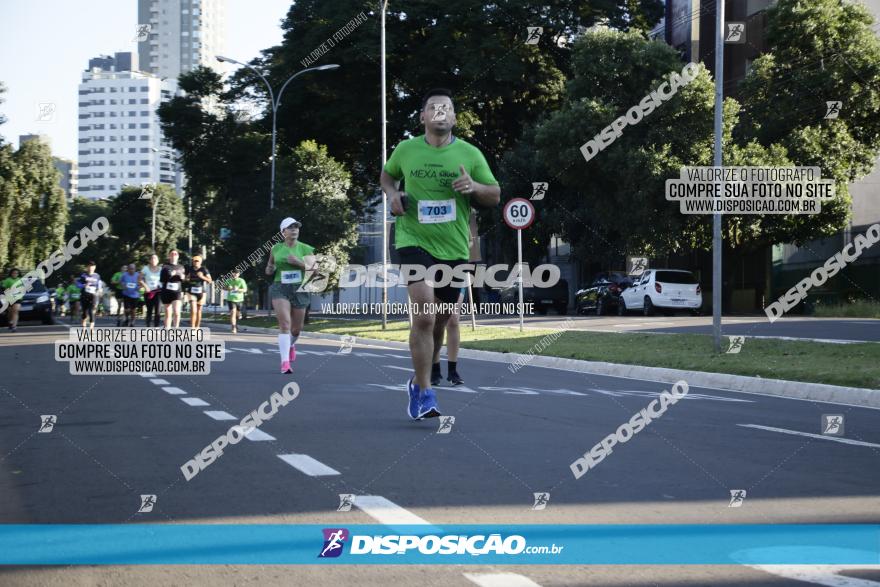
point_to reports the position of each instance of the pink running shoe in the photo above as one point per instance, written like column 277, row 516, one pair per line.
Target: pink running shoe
column 292, row 353
column 285, row 368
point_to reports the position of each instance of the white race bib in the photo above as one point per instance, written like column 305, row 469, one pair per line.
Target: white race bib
column 173, row 286
column 130, row 285
column 436, row 211
column 291, row 276
column 90, row 289
column 195, row 290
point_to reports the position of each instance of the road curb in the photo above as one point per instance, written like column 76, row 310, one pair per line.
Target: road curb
column 820, row 392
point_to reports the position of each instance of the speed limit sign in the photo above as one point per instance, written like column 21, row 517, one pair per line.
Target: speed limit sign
column 519, row 213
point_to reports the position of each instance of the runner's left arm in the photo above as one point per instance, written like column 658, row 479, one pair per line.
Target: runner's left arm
column 479, row 183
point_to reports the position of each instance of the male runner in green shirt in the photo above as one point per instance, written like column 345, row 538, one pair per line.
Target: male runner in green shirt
column 444, row 176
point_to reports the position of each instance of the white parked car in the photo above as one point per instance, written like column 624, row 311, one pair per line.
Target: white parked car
column 662, row 289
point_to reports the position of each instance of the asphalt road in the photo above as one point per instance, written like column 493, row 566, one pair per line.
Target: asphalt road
column 118, row 437
column 824, row 329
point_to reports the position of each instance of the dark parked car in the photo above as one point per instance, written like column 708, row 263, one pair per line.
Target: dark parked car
column 555, row 296
column 603, row 294
column 35, row 305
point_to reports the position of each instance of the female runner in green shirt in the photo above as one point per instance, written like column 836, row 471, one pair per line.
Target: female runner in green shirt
column 288, row 262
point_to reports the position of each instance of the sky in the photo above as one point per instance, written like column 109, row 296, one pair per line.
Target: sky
column 45, row 46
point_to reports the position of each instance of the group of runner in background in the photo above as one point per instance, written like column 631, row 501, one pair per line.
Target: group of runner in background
column 153, row 291
column 431, row 229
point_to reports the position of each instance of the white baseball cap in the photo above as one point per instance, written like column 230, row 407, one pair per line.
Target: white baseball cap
column 288, row 221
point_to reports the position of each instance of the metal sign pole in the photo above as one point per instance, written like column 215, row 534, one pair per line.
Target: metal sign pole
column 519, row 264
column 471, row 302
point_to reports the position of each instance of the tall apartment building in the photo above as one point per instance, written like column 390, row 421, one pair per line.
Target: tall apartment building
column 120, row 139
column 183, row 34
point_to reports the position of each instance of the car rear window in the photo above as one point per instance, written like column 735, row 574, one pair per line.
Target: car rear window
column 676, row 277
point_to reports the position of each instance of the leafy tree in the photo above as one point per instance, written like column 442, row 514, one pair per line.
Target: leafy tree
column 478, row 51
column 615, row 201
column 38, row 214
column 131, row 221
column 820, row 51
column 9, row 181
column 2, row 100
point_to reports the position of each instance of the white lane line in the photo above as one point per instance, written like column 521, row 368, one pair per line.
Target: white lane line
column 386, row 512
column 253, row 351
column 194, row 401
column 809, row 435
column 308, row 465
column 818, row 574
column 500, row 580
column 256, row 435
column 147, row 375
column 174, row 390
column 220, row 415
column 407, row 369
column 160, row 382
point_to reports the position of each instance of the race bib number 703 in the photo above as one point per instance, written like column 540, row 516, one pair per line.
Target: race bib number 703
column 436, row 211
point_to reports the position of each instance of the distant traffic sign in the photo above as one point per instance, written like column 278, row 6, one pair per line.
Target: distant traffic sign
column 519, row 213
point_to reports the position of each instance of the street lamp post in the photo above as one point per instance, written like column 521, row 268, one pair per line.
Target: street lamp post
column 384, row 159
column 178, row 186
column 275, row 102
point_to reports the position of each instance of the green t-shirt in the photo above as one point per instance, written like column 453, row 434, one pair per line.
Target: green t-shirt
column 284, row 271
column 239, row 284
column 437, row 217
column 116, row 277
column 10, row 282
column 73, row 292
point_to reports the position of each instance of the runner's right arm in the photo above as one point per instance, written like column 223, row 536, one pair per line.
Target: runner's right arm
column 391, row 187
column 270, row 266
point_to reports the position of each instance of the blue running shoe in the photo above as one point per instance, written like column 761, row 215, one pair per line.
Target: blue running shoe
column 412, row 408
column 428, row 406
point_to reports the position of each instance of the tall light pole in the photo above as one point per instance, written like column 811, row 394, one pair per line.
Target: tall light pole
column 716, row 219
column 384, row 5
column 178, row 185
column 275, row 102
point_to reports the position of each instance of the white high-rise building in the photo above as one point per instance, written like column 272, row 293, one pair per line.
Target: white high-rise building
column 182, row 35
column 120, row 139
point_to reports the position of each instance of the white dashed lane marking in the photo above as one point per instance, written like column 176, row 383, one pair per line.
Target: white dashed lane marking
column 308, row 465
column 220, row 415
column 257, row 435
column 159, row 382
column 386, row 512
column 174, row 390
column 194, row 401
column 500, row 580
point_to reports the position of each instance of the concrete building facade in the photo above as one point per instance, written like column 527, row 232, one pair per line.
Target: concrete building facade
column 120, row 139
column 182, row 35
